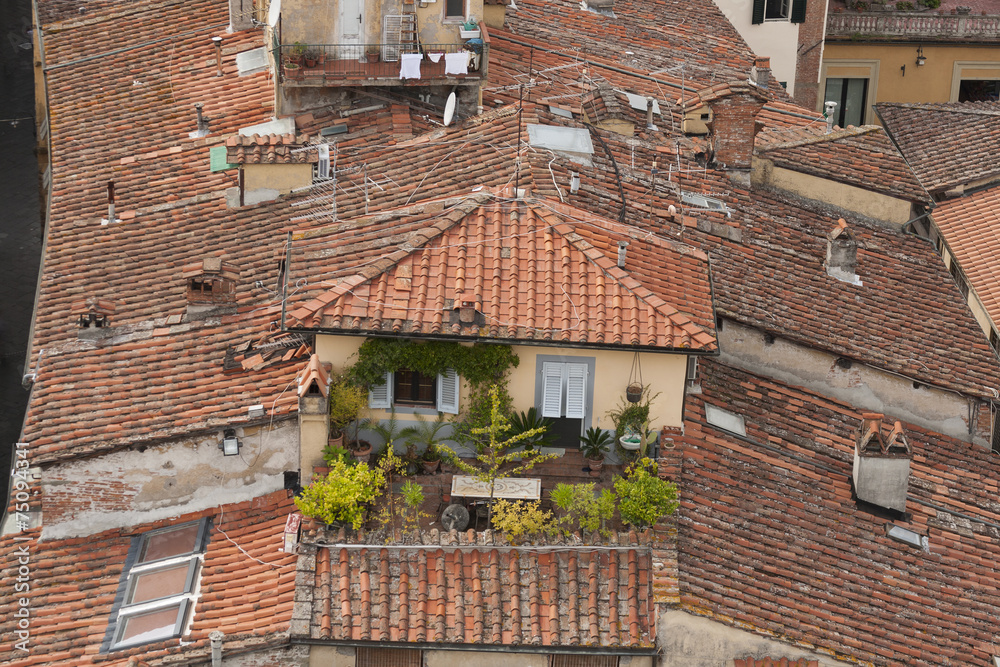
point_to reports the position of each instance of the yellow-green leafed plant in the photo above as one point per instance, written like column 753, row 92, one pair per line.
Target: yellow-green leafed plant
column 522, row 519
column 341, row 496
column 644, row 498
column 497, row 456
column 585, row 509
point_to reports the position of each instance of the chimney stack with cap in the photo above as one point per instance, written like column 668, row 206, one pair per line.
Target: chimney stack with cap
column 881, row 463
column 762, row 67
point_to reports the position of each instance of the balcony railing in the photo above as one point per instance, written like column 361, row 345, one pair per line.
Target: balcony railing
column 373, row 64
column 891, row 24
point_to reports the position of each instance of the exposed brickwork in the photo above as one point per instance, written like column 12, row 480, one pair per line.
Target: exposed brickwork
column 810, row 54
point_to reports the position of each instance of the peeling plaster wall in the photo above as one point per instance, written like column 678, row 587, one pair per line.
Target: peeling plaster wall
column 291, row 656
column 862, row 386
column 126, row 488
column 692, row 641
column 867, row 203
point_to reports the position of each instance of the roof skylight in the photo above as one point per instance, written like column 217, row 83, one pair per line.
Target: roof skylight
column 708, row 203
column 726, row 420
column 565, row 139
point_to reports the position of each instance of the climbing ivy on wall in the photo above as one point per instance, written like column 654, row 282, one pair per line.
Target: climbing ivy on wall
column 481, row 366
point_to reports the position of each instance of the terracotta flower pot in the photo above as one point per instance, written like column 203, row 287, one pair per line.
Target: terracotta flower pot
column 595, row 466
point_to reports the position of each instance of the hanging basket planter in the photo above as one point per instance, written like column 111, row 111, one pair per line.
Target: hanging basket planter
column 633, row 392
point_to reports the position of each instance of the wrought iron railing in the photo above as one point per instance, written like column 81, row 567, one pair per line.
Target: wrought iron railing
column 329, row 63
column 891, row 24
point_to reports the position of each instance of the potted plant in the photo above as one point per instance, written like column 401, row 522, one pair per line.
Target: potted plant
column 532, row 420
column 431, row 459
column 594, row 445
column 631, row 420
column 310, row 58
column 644, row 498
column 424, row 433
column 297, row 52
column 347, row 401
column 373, row 53
column 342, row 497
column 293, row 70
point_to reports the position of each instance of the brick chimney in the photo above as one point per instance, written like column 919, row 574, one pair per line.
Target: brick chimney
column 761, row 72
column 734, row 124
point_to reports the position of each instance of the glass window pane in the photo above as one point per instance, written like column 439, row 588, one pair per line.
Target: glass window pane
column 170, row 543
column 455, row 8
column 854, row 103
column 149, row 626
column 159, row 583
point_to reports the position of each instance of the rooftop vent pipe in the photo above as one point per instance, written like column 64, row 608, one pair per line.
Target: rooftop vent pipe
column 622, row 245
column 649, row 114
column 202, row 130
column 111, row 205
column 830, row 108
column 216, row 637
column 217, row 41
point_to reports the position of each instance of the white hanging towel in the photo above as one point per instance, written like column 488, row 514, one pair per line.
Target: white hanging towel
column 435, row 57
column 409, row 65
column 456, row 63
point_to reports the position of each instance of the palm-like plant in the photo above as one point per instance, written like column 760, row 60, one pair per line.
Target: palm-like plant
column 532, row 421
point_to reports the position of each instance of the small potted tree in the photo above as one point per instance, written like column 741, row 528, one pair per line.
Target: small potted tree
column 532, row 421
column 594, row 445
column 343, row 496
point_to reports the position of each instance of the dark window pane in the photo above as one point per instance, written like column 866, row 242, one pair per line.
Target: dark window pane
column 411, row 387
column 979, row 91
column 454, row 8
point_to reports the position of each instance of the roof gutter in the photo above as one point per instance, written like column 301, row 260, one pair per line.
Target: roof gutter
column 482, row 648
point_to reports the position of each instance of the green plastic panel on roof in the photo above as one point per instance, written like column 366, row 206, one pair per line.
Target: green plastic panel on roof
column 217, row 159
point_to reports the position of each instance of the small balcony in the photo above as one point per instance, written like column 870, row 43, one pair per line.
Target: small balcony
column 320, row 65
column 907, row 26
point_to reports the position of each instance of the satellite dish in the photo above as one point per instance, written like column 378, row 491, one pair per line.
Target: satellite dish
column 455, row 517
column 449, row 109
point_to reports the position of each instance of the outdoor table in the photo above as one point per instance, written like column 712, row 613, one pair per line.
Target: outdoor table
column 510, row 488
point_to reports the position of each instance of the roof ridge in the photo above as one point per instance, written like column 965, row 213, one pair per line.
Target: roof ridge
column 621, row 276
column 836, row 135
column 967, row 108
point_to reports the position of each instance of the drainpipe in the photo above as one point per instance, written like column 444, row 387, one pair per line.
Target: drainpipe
column 216, row 637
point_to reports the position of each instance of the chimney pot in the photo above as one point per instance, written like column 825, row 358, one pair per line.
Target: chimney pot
column 622, row 245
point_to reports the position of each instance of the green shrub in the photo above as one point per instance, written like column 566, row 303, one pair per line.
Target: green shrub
column 585, row 510
column 342, row 495
column 644, row 498
column 522, row 519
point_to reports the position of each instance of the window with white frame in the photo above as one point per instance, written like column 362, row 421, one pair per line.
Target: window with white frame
column 778, row 10
column 158, row 585
column 410, row 389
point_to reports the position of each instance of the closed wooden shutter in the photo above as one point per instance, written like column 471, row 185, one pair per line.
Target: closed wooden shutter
column 380, row 395
column 576, row 390
column 798, row 11
column 447, row 393
column 758, row 11
column 552, row 389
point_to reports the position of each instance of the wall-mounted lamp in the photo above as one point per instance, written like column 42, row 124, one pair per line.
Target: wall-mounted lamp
column 230, row 444
column 921, row 58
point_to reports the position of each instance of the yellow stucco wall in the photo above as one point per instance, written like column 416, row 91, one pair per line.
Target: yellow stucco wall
column 934, row 81
column 859, row 200
column 612, row 369
column 281, row 177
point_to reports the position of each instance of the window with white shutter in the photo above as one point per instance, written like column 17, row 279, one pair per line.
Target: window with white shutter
column 447, row 392
column 564, row 390
column 380, row 395
column 552, row 389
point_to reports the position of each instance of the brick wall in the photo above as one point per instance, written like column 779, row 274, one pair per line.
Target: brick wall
column 810, row 54
column 733, row 129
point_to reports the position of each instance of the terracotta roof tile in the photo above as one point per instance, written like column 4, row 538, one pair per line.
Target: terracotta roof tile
column 863, row 157
column 817, row 568
column 479, row 595
column 246, row 588
column 527, row 274
column 971, row 227
column 946, row 144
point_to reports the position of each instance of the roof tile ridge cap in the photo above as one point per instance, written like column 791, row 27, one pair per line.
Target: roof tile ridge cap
column 836, row 135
